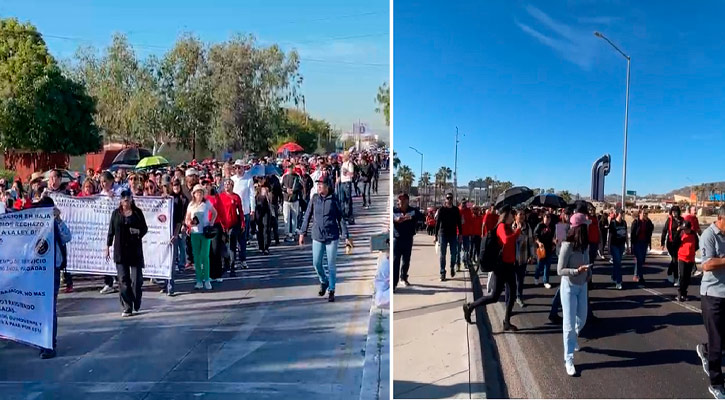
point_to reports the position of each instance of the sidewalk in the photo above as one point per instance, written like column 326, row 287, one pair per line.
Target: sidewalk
column 436, row 353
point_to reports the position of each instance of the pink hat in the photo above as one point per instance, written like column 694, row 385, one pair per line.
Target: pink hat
column 579, row 219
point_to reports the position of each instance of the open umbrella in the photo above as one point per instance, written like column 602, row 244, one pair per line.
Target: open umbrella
column 131, row 156
column 514, row 196
column 547, row 200
column 152, row 162
column 579, row 203
column 256, row 171
column 291, row 147
column 270, row 169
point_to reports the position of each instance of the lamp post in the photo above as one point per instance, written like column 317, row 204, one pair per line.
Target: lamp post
column 626, row 117
column 455, row 172
column 421, row 167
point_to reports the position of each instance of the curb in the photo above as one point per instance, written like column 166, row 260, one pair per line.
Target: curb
column 494, row 384
column 376, row 374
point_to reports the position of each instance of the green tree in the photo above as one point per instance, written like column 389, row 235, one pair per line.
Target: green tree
column 443, row 176
column 249, row 86
column 40, row 108
column 312, row 134
column 396, row 160
column 383, row 102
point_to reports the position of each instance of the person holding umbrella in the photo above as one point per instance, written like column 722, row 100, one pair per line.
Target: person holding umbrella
column 125, row 233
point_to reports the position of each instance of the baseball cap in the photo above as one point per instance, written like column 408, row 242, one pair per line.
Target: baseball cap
column 191, row 172
column 449, row 195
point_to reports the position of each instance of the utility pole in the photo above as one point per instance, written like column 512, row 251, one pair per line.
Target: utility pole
column 455, row 172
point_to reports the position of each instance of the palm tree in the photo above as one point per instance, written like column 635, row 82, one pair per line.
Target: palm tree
column 506, row 186
column 423, row 183
column 488, row 184
column 551, row 191
column 445, row 176
column 396, row 160
column 564, row 194
column 471, row 186
column 405, row 177
column 438, row 181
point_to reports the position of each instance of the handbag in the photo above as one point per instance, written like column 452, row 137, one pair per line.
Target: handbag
column 540, row 253
column 210, row 231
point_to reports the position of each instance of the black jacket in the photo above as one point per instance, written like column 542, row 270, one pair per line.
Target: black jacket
column 127, row 247
column 637, row 226
column 180, row 203
column 545, row 235
column 448, row 222
column 615, row 236
column 666, row 238
column 328, row 222
column 406, row 229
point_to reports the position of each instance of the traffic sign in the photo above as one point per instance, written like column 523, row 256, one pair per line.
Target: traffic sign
column 631, row 193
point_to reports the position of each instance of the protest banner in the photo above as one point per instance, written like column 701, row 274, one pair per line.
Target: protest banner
column 88, row 219
column 27, row 252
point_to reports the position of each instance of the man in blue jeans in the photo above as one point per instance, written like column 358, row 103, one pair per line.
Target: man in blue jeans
column 641, row 237
column 448, row 226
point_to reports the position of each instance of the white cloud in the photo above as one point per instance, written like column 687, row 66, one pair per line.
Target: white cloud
column 575, row 44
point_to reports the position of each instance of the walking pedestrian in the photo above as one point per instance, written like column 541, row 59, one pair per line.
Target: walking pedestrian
column 561, row 228
column 468, row 223
column 62, row 236
column 199, row 215
column 669, row 233
column 347, row 173
column 405, row 220
column 448, row 224
column 327, row 227
column 503, row 273
column 244, row 188
column 575, row 270
column 641, row 237
column 263, row 218
column 366, row 176
column 617, row 245
column 125, row 233
column 712, row 293
column 544, row 236
column 292, row 187
column 687, row 244
column 525, row 253
column 232, row 221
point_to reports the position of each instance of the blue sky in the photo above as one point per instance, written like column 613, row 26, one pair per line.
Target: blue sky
column 334, row 39
column 539, row 97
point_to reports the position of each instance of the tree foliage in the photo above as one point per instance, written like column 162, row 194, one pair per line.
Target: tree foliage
column 383, row 102
column 40, row 108
column 312, row 134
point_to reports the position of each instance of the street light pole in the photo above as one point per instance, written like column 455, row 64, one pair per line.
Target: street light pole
column 455, row 172
column 421, row 165
column 626, row 119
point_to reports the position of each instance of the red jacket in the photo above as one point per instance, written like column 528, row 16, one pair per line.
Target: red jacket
column 508, row 243
column 216, row 202
column 688, row 247
column 489, row 222
column 231, row 213
column 18, row 205
column 469, row 222
column 593, row 229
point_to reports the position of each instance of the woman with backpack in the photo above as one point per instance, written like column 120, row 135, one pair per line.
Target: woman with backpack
column 503, row 270
column 575, row 270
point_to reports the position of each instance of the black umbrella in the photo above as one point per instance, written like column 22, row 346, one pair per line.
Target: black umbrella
column 547, row 200
column 514, row 196
column 131, row 156
column 578, row 204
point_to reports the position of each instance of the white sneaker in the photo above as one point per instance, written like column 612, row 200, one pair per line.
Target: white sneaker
column 619, row 286
column 570, row 370
column 244, row 265
column 697, row 273
column 547, row 285
column 576, row 347
column 199, row 285
column 106, row 289
column 207, row 285
column 677, row 284
column 670, row 278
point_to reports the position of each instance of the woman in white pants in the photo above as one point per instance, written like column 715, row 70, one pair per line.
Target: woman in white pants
column 575, row 271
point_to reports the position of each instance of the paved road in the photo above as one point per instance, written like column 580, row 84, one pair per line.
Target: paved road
column 641, row 346
column 265, row 334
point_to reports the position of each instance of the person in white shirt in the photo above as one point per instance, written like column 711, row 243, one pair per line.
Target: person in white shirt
column 244, row 187
column 347, row 172
column 199, row 215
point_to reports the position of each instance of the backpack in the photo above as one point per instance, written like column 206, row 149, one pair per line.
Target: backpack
column 490, row 256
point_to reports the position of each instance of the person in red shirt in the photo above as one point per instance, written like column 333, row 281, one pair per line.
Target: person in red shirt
column 489, row 220
column 687, row 245
column 217, row 249
column 691, row 217
column 504, row 274
column 89, row 188
column 231, row 217
column 468, row 227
